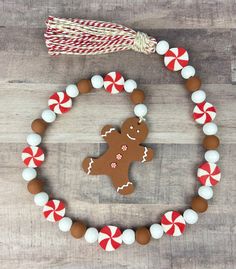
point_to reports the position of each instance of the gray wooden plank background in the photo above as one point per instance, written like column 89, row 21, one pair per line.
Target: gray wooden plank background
column 28, row 76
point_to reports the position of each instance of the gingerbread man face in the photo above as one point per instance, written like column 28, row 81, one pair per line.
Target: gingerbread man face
column 136, row 131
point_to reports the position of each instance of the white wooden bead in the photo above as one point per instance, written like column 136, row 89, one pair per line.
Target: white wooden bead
column 212, row 156
column 128, row 236
column 210, row 128
column 97, row 81
column 34, row 139
column 41, row 198
column 65, row 224
column 72, row 90
column 29, row 173
column 162, row 47
column 187, row 72
column 190, row 216
column 140, row 110
column 91, row 235
column 156, row 231
column 205, row 192
column 198, row 96
column 130, row 85
column 48, row 115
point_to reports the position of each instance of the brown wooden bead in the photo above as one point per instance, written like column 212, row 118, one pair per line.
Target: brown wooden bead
column 39, row 126
column 199, row 204
column 78, row 229
column 35, row 186
column 84, row 86
column 193, row 84
column 142, row 235
column 137, row 96
column 211, row 142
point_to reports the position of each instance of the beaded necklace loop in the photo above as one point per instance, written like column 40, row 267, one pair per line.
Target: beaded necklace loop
column 101, row 36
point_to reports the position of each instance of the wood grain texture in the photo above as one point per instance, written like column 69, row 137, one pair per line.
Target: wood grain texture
column 138, row 13
column 28, row 76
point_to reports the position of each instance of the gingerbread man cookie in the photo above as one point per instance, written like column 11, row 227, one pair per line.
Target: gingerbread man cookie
column 124, row 148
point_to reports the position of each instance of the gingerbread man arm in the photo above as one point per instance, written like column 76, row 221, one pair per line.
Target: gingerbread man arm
column 144, row 154
column 109, row 133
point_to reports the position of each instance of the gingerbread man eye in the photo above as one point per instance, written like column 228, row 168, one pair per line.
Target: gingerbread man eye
column 131, row 127
column 138, row 131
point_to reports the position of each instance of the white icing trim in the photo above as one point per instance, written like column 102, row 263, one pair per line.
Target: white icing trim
column 144, row 155
column 108, row 132
column 124, row 186
column 90, row 166
column 130, row 137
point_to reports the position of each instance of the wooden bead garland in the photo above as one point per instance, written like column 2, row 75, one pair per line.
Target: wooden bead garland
column 172, row 223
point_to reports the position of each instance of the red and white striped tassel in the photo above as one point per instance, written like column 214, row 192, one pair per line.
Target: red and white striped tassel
column 89, row 37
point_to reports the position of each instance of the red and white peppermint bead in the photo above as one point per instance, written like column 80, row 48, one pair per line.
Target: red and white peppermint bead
column 54, row 210
column 176, row 58
column 114, row 82
column 173, row 223
column 60, row 102
column 209, row 174
column 110, row 238
column 204, row 112
column 32, row 156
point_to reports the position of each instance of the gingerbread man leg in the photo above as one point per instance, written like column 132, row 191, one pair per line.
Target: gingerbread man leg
column 93, row 166
column 122, row 184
